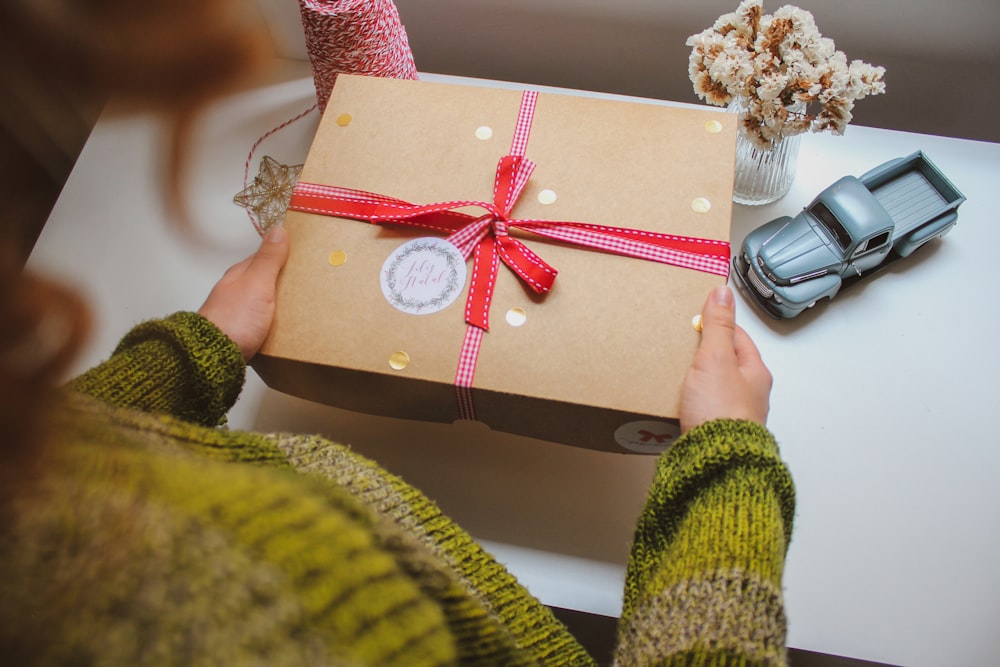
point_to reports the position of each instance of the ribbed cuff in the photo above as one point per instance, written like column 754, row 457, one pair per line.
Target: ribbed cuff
column 711, row 448
column 182, row 365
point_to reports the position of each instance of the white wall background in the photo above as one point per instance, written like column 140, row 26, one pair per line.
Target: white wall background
column 942, row 57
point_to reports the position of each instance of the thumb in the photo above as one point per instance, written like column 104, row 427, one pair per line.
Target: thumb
column 271, row 256
column 718, row 320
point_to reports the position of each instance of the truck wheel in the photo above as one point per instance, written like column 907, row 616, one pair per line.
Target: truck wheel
column 811, row 304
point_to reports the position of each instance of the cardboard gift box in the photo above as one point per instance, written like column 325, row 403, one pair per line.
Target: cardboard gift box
column 374, row 317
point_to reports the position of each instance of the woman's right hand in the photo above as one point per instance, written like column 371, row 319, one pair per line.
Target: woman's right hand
column 728, row 378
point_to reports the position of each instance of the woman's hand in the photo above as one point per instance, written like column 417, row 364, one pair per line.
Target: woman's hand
column 242, row 303
column 727, row 378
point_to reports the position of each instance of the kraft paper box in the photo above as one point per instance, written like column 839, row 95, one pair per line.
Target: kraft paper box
column 596, row 362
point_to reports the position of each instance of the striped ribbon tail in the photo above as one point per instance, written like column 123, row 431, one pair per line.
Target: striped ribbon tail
column 466, row 371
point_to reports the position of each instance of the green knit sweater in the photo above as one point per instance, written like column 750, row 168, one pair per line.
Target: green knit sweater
column 154, row 537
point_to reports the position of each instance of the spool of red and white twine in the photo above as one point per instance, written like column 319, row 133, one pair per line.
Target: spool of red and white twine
column 342, row 36
column 356, row 37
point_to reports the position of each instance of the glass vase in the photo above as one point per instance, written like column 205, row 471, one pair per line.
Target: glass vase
column 763, row 176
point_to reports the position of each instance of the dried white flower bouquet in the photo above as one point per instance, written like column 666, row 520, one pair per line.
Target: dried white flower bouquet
column 785, row 77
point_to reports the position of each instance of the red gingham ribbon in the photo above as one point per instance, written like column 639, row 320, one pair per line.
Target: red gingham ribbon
column 466, row 370
column 488, row 239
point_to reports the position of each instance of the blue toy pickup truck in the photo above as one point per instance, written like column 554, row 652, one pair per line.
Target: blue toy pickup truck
column 853, row 228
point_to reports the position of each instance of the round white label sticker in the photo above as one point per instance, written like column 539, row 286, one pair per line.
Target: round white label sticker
column 423, row 276
column 647, row 437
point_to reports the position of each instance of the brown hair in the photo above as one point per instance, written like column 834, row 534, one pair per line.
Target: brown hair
column 166, row 54
column 42, row 327
column 169, row 53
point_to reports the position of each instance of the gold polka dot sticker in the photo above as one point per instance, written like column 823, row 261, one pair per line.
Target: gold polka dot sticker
column 516, row 317
column 546, row 197
column 713, row 127
column 701, row 205
column 696, row 323
column 344, row 119
column 399, row 360
column 338, row 258
column 484, row 132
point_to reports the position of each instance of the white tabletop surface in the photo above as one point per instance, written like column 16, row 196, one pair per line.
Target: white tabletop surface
column 881, row 403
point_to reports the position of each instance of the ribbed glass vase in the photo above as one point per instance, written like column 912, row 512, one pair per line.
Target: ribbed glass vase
column 763, row 176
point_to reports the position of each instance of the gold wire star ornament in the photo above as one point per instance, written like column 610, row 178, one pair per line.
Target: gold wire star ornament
column 266, row 199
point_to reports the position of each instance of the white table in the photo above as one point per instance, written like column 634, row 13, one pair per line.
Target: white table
column 882, row 399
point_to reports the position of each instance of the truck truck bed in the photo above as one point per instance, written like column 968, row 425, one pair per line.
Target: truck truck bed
column 913, row 191
column 911, row 200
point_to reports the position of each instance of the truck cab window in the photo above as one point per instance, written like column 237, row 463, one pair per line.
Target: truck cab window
column 873, row 243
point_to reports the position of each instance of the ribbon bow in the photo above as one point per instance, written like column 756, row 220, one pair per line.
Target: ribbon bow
column 487, row 236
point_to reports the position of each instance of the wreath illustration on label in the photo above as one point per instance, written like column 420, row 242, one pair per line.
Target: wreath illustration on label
column 423, row 276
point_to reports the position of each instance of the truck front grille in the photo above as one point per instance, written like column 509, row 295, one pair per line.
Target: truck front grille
column 758, row 284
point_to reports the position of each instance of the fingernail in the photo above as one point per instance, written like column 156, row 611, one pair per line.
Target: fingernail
column 722, row 296
column 276, row 234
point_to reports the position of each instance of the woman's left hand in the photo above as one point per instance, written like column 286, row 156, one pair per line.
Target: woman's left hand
column 242, row 303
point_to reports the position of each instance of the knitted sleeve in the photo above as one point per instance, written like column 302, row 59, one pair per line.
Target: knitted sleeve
column 495, row 621
column 703, row 584
column 182, row 365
